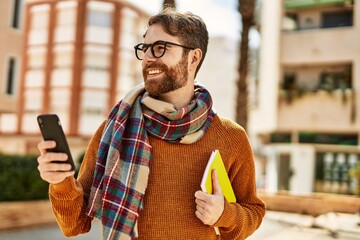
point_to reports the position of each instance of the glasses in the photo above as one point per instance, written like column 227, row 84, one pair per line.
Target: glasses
column 158, row 49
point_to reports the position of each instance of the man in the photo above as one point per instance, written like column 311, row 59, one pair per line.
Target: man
column 142, row 170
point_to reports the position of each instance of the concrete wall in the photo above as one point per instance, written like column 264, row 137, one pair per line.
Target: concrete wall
column 10, row 46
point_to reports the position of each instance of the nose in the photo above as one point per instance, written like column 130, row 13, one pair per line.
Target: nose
column 148, row 59
column 148, row 56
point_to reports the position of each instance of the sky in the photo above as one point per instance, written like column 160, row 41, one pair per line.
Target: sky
column 220, row 16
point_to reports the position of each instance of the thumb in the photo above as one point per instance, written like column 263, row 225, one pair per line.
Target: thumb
column 216, row 184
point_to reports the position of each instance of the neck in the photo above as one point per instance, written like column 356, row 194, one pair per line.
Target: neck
column 179, row 98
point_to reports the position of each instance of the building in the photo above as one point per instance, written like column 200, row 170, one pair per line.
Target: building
column 219, row 77
column 306, row 123
column 77, row 62
column 11, row 43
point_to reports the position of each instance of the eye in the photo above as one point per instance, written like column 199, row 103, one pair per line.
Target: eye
column 159, row 47
column 143, row 48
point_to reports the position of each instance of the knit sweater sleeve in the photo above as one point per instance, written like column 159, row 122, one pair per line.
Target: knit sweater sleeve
column 70, row 197
column 239, row 220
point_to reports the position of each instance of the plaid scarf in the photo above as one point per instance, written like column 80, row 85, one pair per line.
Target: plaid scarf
column 122, row 166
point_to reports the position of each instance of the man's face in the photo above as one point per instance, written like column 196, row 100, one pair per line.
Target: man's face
column 168, row 73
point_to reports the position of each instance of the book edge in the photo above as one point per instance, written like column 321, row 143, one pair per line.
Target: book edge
column 207, row 169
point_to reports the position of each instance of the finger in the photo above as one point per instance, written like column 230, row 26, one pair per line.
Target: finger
column 216, row 184
column 56, row 177
column 200, row 202
column 54, row 167
column 199, row 215
column 51, row 157
column 44, row 145
column 203, row 217
column 201, row 195
column 200, row 209
column 55, row 156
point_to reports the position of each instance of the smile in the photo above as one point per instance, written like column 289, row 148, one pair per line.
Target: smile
column 154, row 71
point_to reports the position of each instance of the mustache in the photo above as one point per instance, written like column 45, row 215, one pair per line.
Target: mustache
column 158, row 65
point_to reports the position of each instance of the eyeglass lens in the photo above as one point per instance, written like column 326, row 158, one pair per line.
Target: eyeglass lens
column 157, row 49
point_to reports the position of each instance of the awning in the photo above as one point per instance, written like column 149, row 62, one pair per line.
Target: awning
column 295, row 4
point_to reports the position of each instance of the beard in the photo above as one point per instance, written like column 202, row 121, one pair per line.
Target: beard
column 174, row 78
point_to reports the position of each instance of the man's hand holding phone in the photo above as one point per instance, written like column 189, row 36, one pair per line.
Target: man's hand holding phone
column 50, row 167
column 55, row 160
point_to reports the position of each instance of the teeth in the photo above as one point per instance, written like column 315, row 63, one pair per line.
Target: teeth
column 157, row 71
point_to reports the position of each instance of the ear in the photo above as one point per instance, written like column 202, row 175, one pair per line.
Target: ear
column 195, row 58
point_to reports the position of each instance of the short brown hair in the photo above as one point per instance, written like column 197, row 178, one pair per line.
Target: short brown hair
column 188, row 27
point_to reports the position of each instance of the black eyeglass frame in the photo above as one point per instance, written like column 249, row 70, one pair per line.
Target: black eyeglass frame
column 141, row 46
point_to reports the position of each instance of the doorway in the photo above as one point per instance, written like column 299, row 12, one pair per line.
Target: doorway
column 284, row 172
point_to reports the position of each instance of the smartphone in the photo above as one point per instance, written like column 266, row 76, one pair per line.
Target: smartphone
column 51, row 129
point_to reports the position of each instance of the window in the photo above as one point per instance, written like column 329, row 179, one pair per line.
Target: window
column 100, row 13
column 289, row 86
column 99, row 19
column 309, row 23
column 329, row 138
column 289, row 82
column 336, row 79
column 305, row 79
column 15, row 22
column 278, row 137
column 284, row 172
column 290, row 22
column 10, row 83
column 332, row 172
column 337, row 19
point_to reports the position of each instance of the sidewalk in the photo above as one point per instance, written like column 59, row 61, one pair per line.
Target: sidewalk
column 276, row 226
column 291, row 226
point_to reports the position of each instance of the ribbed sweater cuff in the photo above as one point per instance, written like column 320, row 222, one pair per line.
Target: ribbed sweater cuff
column 64, row 190
column 228, row 217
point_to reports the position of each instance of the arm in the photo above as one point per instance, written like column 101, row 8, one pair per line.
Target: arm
column 235, row 220
column 239, row 220
column 69, row 198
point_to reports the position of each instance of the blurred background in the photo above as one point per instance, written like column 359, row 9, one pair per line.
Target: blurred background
column 288, row 71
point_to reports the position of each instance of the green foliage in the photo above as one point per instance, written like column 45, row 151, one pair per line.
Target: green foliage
column 79, row 161
column 20, row 179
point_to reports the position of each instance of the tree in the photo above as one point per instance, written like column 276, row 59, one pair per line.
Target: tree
column 247, row 12
column 169, row 3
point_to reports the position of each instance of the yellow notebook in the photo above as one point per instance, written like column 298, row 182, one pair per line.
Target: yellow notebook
column 216, row 162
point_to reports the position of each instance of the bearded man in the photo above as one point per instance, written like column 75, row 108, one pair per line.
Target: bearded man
column 142, row 170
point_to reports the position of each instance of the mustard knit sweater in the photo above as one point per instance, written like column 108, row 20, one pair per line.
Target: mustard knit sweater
column 175, row 175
